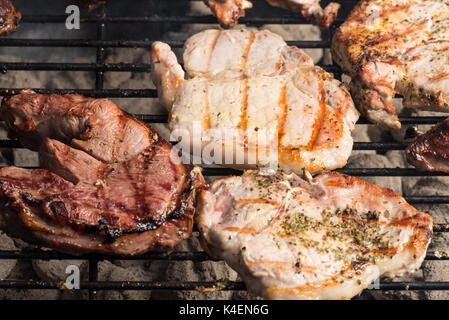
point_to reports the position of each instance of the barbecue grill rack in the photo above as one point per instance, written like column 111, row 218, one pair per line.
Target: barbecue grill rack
column 99, row 68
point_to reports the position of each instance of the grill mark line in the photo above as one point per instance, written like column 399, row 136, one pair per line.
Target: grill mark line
column 206, row 114
column 244, row 109
column 318, row 125
column 282, row 115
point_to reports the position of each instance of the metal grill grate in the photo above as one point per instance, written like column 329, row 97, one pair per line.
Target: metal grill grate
column 100, row 68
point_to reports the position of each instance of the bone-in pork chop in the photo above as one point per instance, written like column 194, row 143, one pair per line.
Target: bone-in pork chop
column 277, row 105
column 326, row 238
column 396, row 47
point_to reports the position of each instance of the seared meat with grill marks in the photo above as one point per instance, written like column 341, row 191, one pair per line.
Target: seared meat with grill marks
column 9, row 17
column 282, row 108
column 430, row 151
column 326, row 238
column 396, row 46
column 228, row 12
column 96, row 126
column 137, row 197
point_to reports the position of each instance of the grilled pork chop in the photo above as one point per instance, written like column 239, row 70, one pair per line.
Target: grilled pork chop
column 327, row 238
column 228, row 12
column 9, row 17
column 430, row 151
column 396, row 46
column 141, row 198
column 278, row 104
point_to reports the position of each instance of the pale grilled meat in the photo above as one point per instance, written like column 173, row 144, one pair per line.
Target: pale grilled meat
column 327, row 238
column 430, row 151
column 396, row 47
column 229, row 11
column 131, row 200
column 252, row 83
column 9, row 17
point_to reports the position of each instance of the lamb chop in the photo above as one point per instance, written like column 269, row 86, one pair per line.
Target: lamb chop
column 110, row 184
column 396, row 47
column 283, row 110
column 228, row 12
column 9, row 17
column 430, row 151
column 96, row 126
column 323, row 238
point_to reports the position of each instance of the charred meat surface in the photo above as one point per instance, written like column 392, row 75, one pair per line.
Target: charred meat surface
column 128, row 201
column 326, row 238
column 285, row 111
column 9, row 17
column 396, row 47
column 96, row 126
column 430, row 151
column 91, row 5
column 228, row 12
column 310, row 10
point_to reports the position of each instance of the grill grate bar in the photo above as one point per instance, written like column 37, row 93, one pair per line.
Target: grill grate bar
column 111, row 67
column 204, row 19
column 162, row 118
column 95, row 93
column 389, row 172
column 380, row 146
column 357, row 145
column 410, row 120
column 127, row 285
column 173, row 256
column 10, row 42
column 358, row 172
column 99, row 82
column 202, row 286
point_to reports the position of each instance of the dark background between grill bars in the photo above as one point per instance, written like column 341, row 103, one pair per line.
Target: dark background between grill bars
column 100, row 67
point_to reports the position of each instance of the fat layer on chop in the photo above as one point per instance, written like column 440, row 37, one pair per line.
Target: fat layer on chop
column 116, row 187
column 278, row 106
column 327, row 238
column 396, row 47
column 228, row 12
